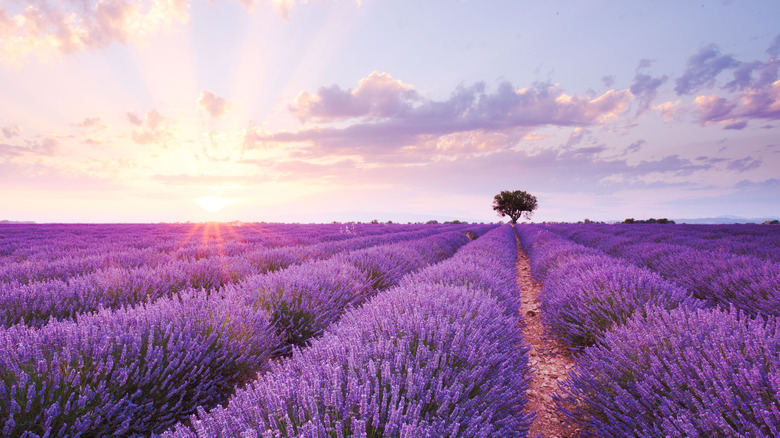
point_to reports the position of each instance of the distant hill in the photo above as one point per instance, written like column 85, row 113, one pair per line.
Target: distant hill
column 724, row 220
column 16, row 222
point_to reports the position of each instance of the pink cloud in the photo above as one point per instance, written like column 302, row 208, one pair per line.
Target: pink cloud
column 46, row 146
column 216, row 106
column 753, row 103
column 377, row 96
column 11, row 131
column 388, row 116
column 714, row 108
column 209, row 180
column 153, row 128
column 90, row 122
column 134, row 118
column 47, row 28
column 762, row 103
column 669, row 110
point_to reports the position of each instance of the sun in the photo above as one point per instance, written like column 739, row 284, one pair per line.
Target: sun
column 214, row 203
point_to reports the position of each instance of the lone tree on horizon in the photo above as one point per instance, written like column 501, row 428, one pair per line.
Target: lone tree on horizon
column 514, row 204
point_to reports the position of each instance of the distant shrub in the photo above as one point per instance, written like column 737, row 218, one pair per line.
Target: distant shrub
column 680, row 373
column 662, row 220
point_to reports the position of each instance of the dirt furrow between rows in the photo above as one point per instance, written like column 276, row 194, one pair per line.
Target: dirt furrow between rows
column 550, row 362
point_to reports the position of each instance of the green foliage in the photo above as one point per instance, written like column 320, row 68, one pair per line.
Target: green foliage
column 514, row 204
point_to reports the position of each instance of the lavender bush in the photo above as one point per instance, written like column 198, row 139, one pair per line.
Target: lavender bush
column 35, row 303
column 420, row 360
column 303, row 300
column 586, row 297
column 712, row 269
column 134, row 371
column 680, row 373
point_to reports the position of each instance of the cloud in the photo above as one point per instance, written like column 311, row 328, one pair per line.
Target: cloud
column 714, row 108
column 134, row 118
column 38, row 176
column 551, row 169
column 669, row 110
column 645, row 87
column 216, row 106
column 377, row 96
column 90, row 122
column 736, row 126
column 745, row 164
column 283, row 7
column 752, row 103
column 703, row 68
column 766, row 73
column 47, row 28
column 11, row 131
column 388, row 117
column 635, row 146
column 762, row 103
column 774, row 48
column 209, row 180
column 576, row 137
column 6, row 150
column 772, row 184
column 153, row 128
column 46, row 146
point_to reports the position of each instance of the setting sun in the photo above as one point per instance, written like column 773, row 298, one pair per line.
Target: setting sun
column 214, row 203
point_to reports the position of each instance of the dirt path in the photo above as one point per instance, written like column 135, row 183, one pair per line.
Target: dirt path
column 550, row 363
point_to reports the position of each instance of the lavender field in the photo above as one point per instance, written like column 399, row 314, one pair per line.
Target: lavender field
column 385, row 330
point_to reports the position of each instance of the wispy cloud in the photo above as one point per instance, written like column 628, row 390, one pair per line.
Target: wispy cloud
column 46, row 146
column 703, row 68
column 214, row 105
column 11, row 131
column 152, row 128
column 645, row 87
column 209, row 180
column 744, row 164
column 90, row 122
column 377, row 96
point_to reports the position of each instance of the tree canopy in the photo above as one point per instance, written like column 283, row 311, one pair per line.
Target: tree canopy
column 514, row 204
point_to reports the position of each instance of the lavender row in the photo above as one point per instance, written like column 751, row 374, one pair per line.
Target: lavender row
column 680, row 373
column 40, row 252
column 749, row 283
column 587, row 293
column 128, row 372
column 35, row 304
column 739, row 239
column 441, row 355
column 47, row 241
column 136, row 371
column 304, row 300
column 65, row 251
column 668, row 368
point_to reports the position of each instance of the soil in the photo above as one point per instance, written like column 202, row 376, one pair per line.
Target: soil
column 550, row 361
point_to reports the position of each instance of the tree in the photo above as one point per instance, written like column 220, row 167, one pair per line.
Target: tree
column 514, row 204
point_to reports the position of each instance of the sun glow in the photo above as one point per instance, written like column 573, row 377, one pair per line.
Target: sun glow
column 214, row 203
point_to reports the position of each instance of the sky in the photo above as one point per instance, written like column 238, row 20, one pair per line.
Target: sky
column 328, row 110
